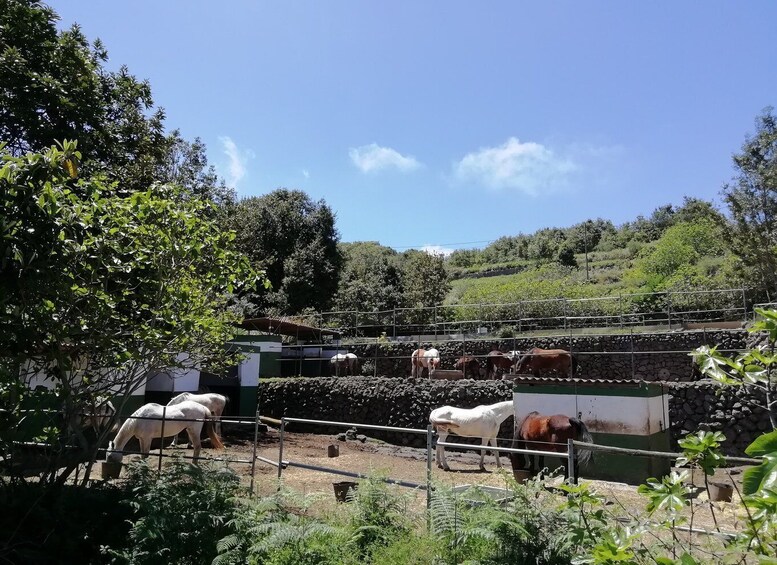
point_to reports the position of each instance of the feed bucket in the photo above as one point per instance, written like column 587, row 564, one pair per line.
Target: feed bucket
column 521, row 475
column 721, row 492
column 333, row 450
column 110, row 469
column 342, row 488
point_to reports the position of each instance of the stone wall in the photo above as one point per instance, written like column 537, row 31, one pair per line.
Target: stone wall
column 650, row 357
column 406, row 403
column 707, row 405
column 402, row 403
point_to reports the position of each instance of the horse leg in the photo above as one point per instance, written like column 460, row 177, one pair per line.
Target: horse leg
column 145, row 446
column 194, row 437
column 518, row 460
column 484, row 441
column 496, row 453
column 441, row 462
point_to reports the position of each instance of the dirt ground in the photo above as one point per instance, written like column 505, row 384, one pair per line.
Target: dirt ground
column 409, row 464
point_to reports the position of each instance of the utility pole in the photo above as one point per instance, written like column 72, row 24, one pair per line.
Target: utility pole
column 585, row 243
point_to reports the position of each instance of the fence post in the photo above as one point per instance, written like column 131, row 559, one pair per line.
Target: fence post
column 744, row 306
column 566, row 313
column 571, row 461
column 669, row 309
column 428, row 466
column 631, row 335
column 162, row 444
column 280, row 451
column 375, row 363
column 520, row 316
column 253, row 457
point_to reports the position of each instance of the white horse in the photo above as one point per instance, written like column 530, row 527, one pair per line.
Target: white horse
column 421, row 359
column 481, row 421
column 146, row 424
column 343, row 361
column 212, row 401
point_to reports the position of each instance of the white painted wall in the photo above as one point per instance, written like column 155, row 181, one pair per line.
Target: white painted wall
column 248, row 370
column 604, row 414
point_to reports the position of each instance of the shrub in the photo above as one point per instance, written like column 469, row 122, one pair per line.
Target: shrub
column 179, row 517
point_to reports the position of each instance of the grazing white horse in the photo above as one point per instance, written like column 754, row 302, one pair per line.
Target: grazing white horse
column 145, row 423
column 481, row 421
column 212, row 401
column 424, row 358
column 343, row 361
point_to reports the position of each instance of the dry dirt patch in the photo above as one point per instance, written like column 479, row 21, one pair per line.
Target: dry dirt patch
column 409, row 464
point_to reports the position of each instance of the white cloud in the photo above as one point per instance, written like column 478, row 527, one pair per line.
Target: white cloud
column 236, row 166
column 437, row 250
column 528, row 167
column 306, row 173
column 373, row 157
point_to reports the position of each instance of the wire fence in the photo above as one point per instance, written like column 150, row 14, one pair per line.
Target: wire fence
column 625, row 356
column 670, row 310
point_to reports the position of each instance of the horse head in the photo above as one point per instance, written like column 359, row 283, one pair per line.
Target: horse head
column 112, row 455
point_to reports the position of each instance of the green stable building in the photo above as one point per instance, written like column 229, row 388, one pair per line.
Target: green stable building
column 630, row 414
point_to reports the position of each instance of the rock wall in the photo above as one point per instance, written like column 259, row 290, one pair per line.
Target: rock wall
column 406, row 403
column 650, row 357
column 402, row 403
column 707, row 405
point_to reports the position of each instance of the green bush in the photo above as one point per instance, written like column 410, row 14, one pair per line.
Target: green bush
column 179, row 517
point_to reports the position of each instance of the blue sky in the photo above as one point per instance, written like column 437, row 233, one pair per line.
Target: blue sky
column 440, row 123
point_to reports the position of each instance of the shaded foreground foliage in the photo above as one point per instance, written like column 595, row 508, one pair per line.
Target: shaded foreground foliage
column 201, row 515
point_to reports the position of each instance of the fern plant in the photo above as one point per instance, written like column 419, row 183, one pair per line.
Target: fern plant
column 179, row 517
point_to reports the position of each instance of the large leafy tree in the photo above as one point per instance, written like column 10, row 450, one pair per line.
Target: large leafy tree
column 752, row 201
column 426, row 279
column 99, row 289
column 54, row 86
column 371, row 279
column 295, row 240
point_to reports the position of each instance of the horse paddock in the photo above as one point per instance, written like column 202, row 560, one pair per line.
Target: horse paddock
column 409, row 464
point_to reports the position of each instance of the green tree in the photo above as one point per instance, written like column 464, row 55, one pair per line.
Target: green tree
column 752, row 201
column 682, row 245
column 98, row 289
column 54, row 86
column 295, row 240
column 371, row 279
column 426, row 279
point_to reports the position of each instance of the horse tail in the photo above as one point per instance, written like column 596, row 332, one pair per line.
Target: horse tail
column 582, row 434
column 215, row 440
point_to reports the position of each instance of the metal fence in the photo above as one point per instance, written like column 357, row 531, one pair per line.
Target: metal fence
column 668, row 310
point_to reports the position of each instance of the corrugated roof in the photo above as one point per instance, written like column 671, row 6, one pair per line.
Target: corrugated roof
column 575, row 381
column 281, row 326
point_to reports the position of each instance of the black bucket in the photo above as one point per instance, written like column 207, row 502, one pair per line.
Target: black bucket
column 342, row 488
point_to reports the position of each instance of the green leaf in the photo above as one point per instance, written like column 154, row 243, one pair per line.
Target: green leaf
column 762, row 445
column 763, row 476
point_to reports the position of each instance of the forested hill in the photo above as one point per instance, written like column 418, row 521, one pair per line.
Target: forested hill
column 674, row 248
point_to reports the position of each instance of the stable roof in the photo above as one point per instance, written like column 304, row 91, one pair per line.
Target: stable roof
column 281, row 326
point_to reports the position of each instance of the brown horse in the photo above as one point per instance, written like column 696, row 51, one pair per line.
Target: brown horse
column 537, row 360
column 469, row 366
column 497, row 360
column 548, row 433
